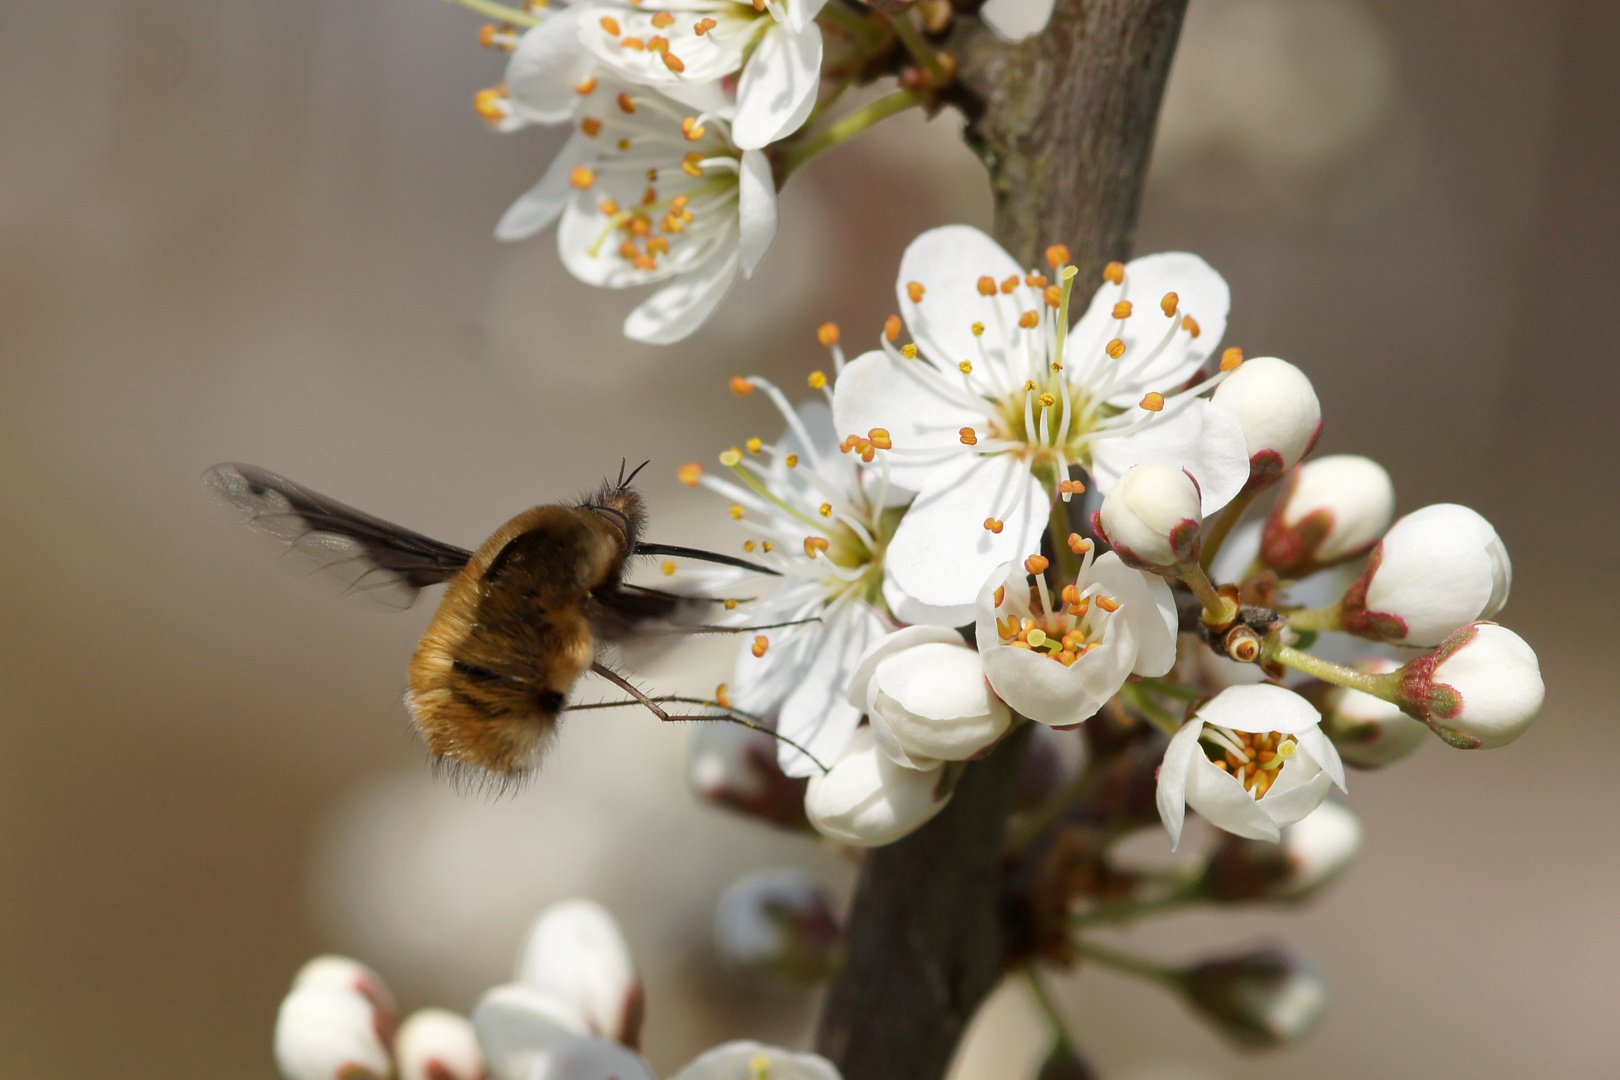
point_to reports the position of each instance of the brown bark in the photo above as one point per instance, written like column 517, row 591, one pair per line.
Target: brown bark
column 1065, row 123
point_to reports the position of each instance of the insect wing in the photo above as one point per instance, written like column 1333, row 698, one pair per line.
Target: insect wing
column 360, row 557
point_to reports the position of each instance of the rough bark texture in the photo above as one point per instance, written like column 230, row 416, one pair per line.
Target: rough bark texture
column 1065, row 123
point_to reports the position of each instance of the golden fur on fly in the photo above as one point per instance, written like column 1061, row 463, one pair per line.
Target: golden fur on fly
column 515, row 631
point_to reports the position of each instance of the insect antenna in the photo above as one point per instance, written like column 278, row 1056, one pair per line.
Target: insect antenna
column 626, row 481
column 703, row 556
column 731, row 715
column 706, row 628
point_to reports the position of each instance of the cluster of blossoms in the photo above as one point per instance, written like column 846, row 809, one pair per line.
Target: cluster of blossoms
column 925, row 516
column 573, row 1011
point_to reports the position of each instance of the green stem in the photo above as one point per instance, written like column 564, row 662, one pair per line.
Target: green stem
column 858, row 26
column 490, row 9
column 1216, row 536
column 1151, row 970
column 1048, row 1007
column 1325, row 618
column 1170, row 689
column 1218, row 610
column 919, row 48
column 849, row 126
column 1386, row 686
column 1128, row 911
column 1138, row 697
column 1068, row 560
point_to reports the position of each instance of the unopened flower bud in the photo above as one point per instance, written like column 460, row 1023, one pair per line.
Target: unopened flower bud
column 736, row 767
column 1312, row 851
column 1331, row 509
column 1479, row 690
column 868, row 800
column 576, row 955
column 778, row 924
column 1370, row 732
column 335, row 1024
column 1277, row 408
column 1265, row 998
column 1438, row 568
column 927, row 697
column 1152, row 518
column 746, row 1060
column 436, row 1044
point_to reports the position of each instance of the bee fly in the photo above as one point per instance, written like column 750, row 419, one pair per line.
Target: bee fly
column 522, row 618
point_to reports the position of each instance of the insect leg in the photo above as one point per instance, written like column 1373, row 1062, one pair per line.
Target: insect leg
column 704, row 628
column 703, row 556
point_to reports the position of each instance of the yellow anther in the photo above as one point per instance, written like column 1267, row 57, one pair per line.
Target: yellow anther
column 585, row 86
column 749, row 545
column 721, row 697
column 731, row 604
column 817, row 380
column 703, row 26
column 1071, row 596
column 658, row 246
column 1108, row 603
column 1153, row 401
column 978, row 329
column 673, row 62
column 814, row 545
column 690, row 164
column 1036, row 564
column 1029, row 319
column 1116, row 349
column 1000, row 595
column 1114, row 273
column 669, row 568
column 1010, row 284
column 1036, row 281
column 658, row 43
column 692, row 129
column 987, row 286
column 826, row 510
column 1122, row 310
column 792, row 461
column 741, row 386
column 1029, row 386
column 1079, row 544
column 491, row 104
column 965, row 367
column 891, row 328
column 611, row 25
column 915, row 290
column 827, row 334
column 753, row 445
column 1070, row 487
column 1169, row 304
column 761, row 643
column 632, row 43
column 1231, row 358
column 1054, row 296
column 583, row 176
column 1190, row 324
column 663, row 19
column 609, row 207
column 768, row 546
column 908, row 351
column 624, row 144
column 880, row 438
column 969, row 437
column 994, row 525
column 1047, row 400
column 1057, row 255
column 688, row 474
column 625, row 104
column 736, row 512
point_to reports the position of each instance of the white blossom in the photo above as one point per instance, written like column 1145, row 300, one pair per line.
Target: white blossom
column 746, row 1060
column 996, row 398
column 647, row 193
column 1437, row 569
column 576, row 954
column 1265, row 998
column 867, row 800
column 1320, row 846
column 1251, row 760
column 436, row 1044
column 1479, row 690
column 1281, row 417
column 336, row 1023
column 1368, row 731
column 1057, row 659
column 1331, row 509
column 1151, row 518
column 925, row 693
column 779, row 923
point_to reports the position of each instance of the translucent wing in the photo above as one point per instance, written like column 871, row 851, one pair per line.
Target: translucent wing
column 360, row 557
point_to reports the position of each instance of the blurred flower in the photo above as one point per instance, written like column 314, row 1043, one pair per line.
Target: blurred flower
column 736, row 767
column 436, row 1044
column 576, row 954
column 647, row 194
column 1277, row 407
column 1151, row 518
column 744, row 1060
column 1331, row 509
column 1312, row 852
column 1251, row 760
column 867, row 800
column 528, row 1035
column 992, row 404
column 1479, row 690
column 927, row 698
column 778, row 924
column 1265, row 998
column 1437, row 569
column 1370, row 732
column 823, row 526
column 1056, row 659
column 336, row 1023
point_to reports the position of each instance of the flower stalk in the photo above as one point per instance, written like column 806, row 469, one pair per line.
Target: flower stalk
column 847, row 127
column 1385, row 686
column 491, row 9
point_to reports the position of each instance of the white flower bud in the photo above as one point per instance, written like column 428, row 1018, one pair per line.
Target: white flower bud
column 1370, row 732
column 576, row 955
column 736, row 767
column 745, row 1060
column 779, row 924
column 868, row 800
column 436, row 1044
column 1152, row 518
column 1312, row 851
column 1438, row 568
column 1277, row 407
column 336, row 1024
column 1264, row 998
column 1331, row 509
column 927, row 698
column 1479, row 690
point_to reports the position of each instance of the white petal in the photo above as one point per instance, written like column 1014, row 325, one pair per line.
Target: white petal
column 1260, row 707
column 1015, row 20
column 778, row 86
column 678, row 309
column 1220, row 798
column 704, row 59
column 1206, row 441
column 918, row 407
column 1146, row 601
column 736, row 1061
column 756, row 209
column 1174, row 771
column 546, row 66
column 1322, row 751
column 860, row 683
column 941, row 551
column 576, row 954
column 436, row 1044
column 948, row 262
column 816, row 713
column 592, row 1059
column 324, row 1032
column 518, row 1026
column 1286, row 807
column 540, row 205
column 801, row 12
column 908, row 609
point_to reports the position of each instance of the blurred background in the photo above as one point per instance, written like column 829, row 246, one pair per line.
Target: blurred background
column 261, row 231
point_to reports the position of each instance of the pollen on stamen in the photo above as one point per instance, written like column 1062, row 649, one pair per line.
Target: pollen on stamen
column 673, row 62
column 608, row 207
column 1077, row 543
column 1001, row 594
column 1190, row 324
column 731, row 458
column 1057, row 255
column 880, row 438
column 1047, row 400
column 1070, row 487
column 1169, row 304
column 625, row 104
column 1029, row 386
column 736, row 512
column 1108, row 603
column 658, row 246
column 891, row 328
column 814, row 545
column 1054, row 296
column 1036, row 281
column 994, row 525
column 1114, row 273
column 721, row 697
column 663, row 19
column 1231, row 358
column 688, row 474
column 741, row 386
column 1030, row 319
column 915, row 290
column 749, row 545
column 703, row 26
column 761, row 643
column 969, row 437
column 583, row 176
column 1010, row 284
column 585, row 86
column 792, row 461
column 1122, row 310
column 1153, row 401
column 657, row 43
column 669, row 567
column 768, row 546
column 1116, row 349
column 491, row 104
column 1071, row 594
column 730, row 603
column 987, row 286
column 632, row 43
column 1036, row 564
column 978, row 329
column 827, row 334
column 692, row 129
column 754, row 445
column 611, row 25
column 690, row 164
column 817, row 380
column 624, row 144
column 909, row 351
column 825, row 510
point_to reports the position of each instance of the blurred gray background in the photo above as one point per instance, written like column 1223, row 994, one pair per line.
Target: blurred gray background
column 261, row 231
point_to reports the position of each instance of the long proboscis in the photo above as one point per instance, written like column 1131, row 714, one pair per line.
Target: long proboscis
column 699, row 554
column 731, row 715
